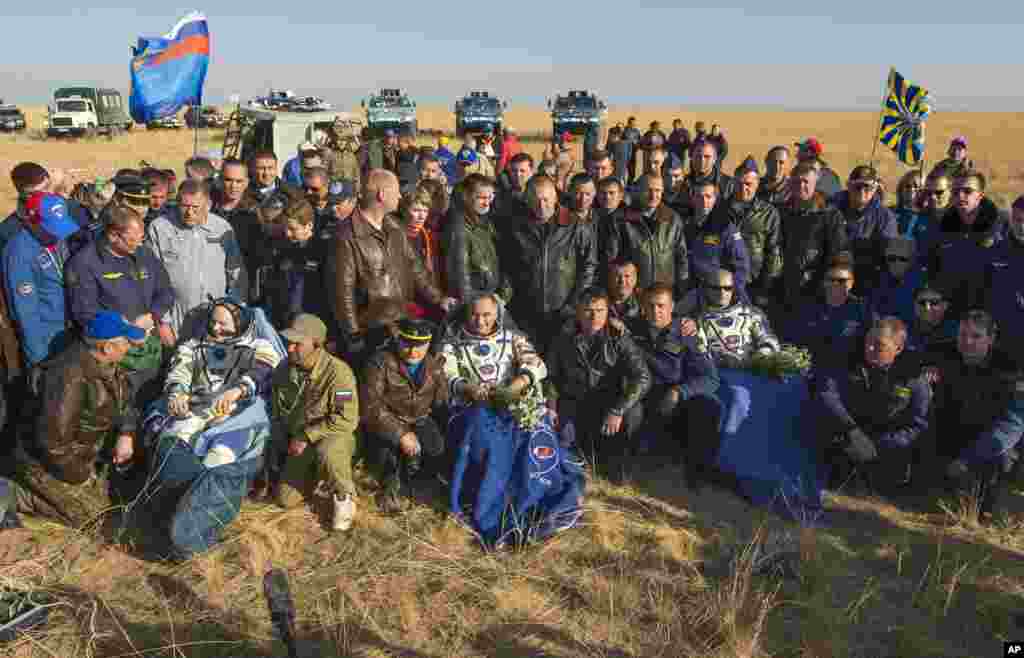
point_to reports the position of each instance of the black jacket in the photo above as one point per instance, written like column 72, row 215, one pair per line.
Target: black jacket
column 814, row 234
column 657, row 246
column 761, row 227
column 471, row 257
column 608, row 365
column 548, row 265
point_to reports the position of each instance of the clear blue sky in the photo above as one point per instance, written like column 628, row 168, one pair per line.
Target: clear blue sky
column 819, row 55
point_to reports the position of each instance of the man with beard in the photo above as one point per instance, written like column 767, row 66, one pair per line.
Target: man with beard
column 404, row 390
column 598, row 379
column 979, row 395
column 962, row 244
column 704, row 169
column 759, row 224
column 471, row 236
column 813, row 237
column 868, row 224
column 713, row 240
column 550, row 260
column 316, row 413
column 774, row 187
column 653, row 237
column 875, row 410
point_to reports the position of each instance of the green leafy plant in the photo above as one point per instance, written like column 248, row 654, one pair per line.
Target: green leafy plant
column 527, row 408
column 790, row 360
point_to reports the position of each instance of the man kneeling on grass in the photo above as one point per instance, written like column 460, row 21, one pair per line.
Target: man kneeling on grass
column 403, row 387
column 316, row 406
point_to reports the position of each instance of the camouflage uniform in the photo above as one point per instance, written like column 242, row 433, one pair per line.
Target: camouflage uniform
column 87, row 404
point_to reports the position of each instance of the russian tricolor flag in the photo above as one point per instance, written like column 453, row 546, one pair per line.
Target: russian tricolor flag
column 168, row 72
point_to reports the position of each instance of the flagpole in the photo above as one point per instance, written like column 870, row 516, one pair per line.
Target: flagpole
column 881, row 115
column 197, row 113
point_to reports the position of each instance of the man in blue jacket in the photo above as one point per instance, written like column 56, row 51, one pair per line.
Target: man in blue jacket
column 684, row 381
column 1002, row 289
column 33, row 268
column 979, row 416
column 868, row 224
column 875, row 410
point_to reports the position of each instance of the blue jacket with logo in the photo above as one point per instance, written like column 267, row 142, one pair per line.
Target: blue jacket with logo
column 715, row 243
column 894, row 296
column 866, row 231
column 1002, row 291
column 831, row 333
column 34, row 285
column 958, row 255
column 132, row 286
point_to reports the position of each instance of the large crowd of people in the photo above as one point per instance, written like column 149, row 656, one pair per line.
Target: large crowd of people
column 239, row 334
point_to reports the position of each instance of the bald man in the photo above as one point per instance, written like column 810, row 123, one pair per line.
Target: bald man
column 375, row 267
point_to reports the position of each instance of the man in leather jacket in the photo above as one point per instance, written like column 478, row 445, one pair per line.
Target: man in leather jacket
column 88, row 423
column 550, row 259
column 597, row 379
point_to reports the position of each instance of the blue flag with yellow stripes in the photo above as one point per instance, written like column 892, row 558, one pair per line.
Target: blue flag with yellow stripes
column 907, row 106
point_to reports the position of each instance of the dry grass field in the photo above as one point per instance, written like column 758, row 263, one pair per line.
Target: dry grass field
column 653, row 570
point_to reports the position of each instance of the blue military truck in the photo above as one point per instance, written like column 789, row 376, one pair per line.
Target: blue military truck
column 478, row 112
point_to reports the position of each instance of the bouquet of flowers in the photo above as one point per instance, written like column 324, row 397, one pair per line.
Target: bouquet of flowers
column 790, row 360
column 527, row 408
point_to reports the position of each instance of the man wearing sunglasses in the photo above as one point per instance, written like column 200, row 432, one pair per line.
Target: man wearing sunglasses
column 868, row 223
column 832, row 325
column 732, row 330
column 901, row 276
column 962, row 245
column 932, row 328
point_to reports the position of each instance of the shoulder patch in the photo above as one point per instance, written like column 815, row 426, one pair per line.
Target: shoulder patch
column 902, row 392
column 110, row 276
column 341, row 396
column 711, row 240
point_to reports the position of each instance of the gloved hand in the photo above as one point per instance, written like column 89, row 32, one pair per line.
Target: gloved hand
column 669, row 402
column 859, row 446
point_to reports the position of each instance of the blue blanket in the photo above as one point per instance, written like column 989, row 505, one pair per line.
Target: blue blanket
column 510, row 486
column 767, row 433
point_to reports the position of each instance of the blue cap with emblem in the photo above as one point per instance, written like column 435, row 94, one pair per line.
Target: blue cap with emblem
column 107, row 325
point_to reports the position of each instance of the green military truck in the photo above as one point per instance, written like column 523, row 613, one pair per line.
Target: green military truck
column 108, row 104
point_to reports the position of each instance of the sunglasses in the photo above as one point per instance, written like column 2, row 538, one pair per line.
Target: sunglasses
column 838, row 280
column 935, row 193
column 964, row 190
column 709, row 286
column 897, row 259
column 930, row 302
column 862, row 187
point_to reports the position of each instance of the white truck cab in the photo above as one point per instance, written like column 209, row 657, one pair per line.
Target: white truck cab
column 73, row 115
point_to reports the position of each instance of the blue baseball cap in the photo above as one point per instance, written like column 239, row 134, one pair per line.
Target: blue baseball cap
column 466, row 156
column 107, row 325
column 51, row 212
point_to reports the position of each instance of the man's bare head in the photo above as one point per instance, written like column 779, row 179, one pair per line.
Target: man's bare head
column 380, row 190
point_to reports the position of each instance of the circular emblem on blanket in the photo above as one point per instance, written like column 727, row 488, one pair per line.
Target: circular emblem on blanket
column 543, row 452
column 483, row 349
